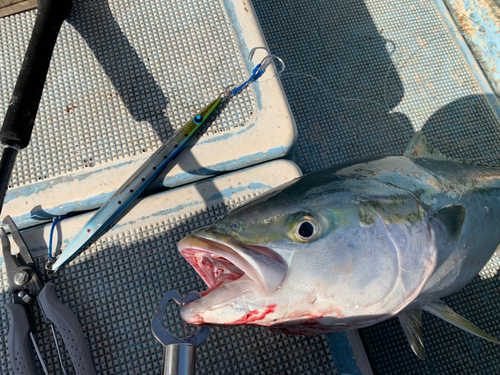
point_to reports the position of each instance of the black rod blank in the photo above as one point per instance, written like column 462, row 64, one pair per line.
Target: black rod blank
column 20, row 117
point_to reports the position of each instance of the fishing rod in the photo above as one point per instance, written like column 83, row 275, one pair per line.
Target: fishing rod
column 20, row 117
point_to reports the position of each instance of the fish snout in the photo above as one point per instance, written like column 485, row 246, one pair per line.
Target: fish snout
column 239, row 276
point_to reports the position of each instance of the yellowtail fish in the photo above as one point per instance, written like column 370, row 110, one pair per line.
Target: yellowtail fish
column 351, row 246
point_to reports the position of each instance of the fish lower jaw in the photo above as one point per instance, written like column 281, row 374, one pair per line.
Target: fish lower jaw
column 229, row 315
column 223, row 304
column 191, row 317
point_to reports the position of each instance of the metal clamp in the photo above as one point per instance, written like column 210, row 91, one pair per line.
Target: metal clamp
column 178, row 354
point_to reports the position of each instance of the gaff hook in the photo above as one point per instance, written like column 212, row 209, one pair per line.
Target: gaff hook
column 259, row 70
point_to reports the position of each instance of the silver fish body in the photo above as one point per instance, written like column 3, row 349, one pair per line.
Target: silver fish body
column 348, row 246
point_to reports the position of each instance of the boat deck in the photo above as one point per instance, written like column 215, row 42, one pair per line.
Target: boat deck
column 361, row 78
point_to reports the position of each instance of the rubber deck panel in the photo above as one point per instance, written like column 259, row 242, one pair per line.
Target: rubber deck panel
column 123, row 77
column 362, row 77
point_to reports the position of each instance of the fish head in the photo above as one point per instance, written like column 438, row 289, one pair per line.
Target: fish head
column 312, row 259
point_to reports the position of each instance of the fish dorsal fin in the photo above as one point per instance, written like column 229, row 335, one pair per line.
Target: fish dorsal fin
column 411, row 322
column 441, row 310
column 419, row 147
column 448, row 222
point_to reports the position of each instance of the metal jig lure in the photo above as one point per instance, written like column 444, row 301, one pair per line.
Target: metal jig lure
column 151, row 169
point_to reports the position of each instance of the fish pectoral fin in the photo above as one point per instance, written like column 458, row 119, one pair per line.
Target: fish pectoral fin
column 450, row 218
column 441, row 310
column 419, row 147
column 412, row 327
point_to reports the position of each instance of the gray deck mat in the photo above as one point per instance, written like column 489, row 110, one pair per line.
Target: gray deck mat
column 361, row 77
column 349, row 64
column 124, row 76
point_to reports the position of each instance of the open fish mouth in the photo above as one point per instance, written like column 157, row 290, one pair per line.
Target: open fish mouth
column 219, row 262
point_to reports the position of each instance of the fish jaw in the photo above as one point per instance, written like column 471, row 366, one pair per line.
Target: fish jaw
column 239, row 277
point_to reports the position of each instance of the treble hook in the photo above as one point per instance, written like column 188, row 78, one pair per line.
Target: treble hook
column 259, row 70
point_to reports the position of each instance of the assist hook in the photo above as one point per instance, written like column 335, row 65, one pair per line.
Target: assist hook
column 258, row 71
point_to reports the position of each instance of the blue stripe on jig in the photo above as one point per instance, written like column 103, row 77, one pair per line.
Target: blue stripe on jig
column 150, row 170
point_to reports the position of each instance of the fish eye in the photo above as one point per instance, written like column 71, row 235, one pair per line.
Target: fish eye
column 306, row 228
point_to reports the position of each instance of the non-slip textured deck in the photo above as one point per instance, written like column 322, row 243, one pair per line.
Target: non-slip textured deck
column 124, row 76
column 362, row 77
